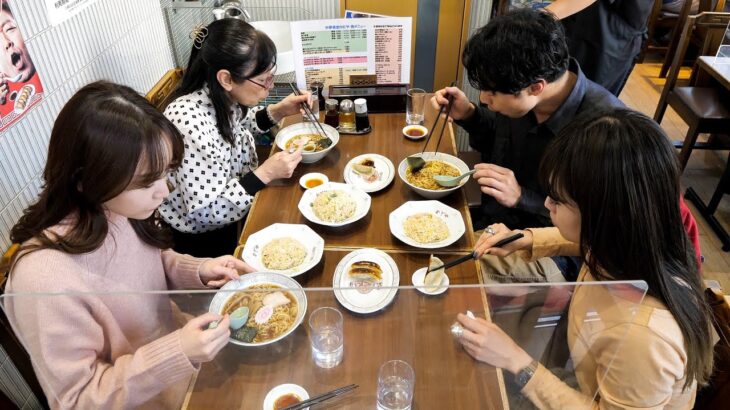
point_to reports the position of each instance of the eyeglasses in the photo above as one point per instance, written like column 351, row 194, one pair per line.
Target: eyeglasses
column 269, row 82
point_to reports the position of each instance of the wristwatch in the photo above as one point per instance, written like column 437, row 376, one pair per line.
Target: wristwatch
column 524, row 375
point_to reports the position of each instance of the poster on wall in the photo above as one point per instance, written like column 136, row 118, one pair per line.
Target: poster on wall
column 62, row 10
column 330, row 51
column 20, row 85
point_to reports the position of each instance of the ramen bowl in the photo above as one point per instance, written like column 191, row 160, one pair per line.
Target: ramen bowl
column 435, row 156
column 244, row 284
column 307, row 128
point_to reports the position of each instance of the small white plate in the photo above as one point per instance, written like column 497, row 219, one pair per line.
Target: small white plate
column 312, row 175
column 421, row 128
column 417, row 280
column 453, row 219
column 366, row 299
column 281, row 390
column 362, row 202
column 383, row 166
column 313, row 243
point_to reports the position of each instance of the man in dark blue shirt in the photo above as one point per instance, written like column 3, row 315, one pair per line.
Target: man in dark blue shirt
column 529, row 90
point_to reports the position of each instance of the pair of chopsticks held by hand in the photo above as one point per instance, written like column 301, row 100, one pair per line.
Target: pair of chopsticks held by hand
column 322, row 397
column 308, row 113
column 474, row 255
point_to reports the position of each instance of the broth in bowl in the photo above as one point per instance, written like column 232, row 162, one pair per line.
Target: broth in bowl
column 272, row 312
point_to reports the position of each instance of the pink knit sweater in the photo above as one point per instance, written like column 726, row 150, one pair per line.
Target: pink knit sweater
column 104, row 351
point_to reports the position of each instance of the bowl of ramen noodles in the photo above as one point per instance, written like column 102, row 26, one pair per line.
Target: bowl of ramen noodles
column 334, row 204
column 437, row 163
column 289, row 249
column 276, row 305
column 309, row 136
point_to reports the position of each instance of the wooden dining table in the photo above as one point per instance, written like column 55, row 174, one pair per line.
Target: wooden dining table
column 414, row 327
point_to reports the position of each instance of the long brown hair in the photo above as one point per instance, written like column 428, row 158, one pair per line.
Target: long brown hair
column 622, row 173
column 97, row 142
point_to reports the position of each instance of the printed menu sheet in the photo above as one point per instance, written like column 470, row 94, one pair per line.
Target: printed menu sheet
column 330, row 51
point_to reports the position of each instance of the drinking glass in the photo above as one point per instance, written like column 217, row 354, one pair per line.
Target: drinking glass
column 415, row 104
column 395, row 385
column 314, row 98
column 325, row 334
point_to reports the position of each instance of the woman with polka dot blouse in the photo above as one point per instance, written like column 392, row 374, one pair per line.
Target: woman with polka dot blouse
column 231, row 69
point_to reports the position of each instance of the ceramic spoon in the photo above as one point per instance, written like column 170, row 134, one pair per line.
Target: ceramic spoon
column 449, row 182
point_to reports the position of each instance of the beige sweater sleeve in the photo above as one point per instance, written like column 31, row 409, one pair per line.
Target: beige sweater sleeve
column 65, row 335
column 548, row 242
column 636, row 369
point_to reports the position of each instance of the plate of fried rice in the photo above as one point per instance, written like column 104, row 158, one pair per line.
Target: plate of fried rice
column 427, row 224
column 289, row 249
column 334, row 204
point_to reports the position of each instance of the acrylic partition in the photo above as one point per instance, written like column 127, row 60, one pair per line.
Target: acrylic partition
column 71, row 338
column 723, row 51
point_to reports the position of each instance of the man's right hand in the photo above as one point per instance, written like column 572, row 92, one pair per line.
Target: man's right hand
column 461, row 108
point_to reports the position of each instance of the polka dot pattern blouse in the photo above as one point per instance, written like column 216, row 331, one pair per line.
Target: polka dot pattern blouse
column 208, row 193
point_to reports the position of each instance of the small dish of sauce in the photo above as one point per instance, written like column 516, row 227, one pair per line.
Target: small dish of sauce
column 286, row 400
column 415, row 132
column 284, row 395
column 313, row 179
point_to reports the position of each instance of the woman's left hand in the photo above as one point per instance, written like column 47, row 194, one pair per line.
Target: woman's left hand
column 487, row 343
column 289, row 106
column 215, row 272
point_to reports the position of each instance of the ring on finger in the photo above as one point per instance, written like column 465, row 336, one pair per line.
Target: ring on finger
column 490, row 230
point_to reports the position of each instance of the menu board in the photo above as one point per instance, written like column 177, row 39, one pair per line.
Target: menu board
column 330, row 51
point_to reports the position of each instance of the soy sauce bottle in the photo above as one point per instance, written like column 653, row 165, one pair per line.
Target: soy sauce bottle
column 331, row 116
column 362, row 122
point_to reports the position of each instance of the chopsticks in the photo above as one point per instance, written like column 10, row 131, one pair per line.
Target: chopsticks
column 322, row 397
column 308, row 111
column 436, row 120
column 472, row 255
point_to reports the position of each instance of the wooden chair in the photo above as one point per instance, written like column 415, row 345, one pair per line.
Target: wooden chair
column 167, row 84
column 704, row 6
column 15, row 350
column 704, row 109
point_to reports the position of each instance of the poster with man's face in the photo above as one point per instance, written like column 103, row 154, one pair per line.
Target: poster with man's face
column 20, row 85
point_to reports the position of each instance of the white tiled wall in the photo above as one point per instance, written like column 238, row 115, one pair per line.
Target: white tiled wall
column 122, row 41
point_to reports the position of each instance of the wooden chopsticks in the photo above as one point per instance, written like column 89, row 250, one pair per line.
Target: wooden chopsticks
column 308, row 111
column 322, row 397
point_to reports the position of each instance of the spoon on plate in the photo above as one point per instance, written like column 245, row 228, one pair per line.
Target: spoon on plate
column 449, row 182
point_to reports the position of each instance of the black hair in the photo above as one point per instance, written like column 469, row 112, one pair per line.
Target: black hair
column 233, row 45
column 516, row 50
column 620, row 170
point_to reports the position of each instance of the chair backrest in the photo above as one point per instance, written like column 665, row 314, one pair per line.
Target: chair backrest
column 167, row 84
column 713, row 23
column 717, row 393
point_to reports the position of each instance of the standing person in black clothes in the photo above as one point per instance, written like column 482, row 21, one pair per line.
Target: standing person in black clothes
column 605, row 36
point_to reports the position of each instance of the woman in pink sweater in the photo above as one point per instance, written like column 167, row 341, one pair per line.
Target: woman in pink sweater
column 94, row 231
column 613, row 183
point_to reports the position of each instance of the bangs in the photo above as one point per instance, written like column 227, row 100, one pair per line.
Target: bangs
column 555, row 178
column 162, row 152
column 265, row 55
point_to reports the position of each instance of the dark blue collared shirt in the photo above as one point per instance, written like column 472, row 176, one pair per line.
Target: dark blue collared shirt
column 519, row 143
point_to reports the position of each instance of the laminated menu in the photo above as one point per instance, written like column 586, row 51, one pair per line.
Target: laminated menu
column 329, row 51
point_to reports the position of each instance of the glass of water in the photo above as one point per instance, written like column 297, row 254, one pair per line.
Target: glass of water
column 415, row 104
column 395, row 385
column 314, row 99
column 325, row 335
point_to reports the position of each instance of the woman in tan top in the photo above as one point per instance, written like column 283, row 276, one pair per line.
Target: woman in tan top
column 613, row 183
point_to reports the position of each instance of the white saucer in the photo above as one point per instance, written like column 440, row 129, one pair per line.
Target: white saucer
column 281, row 390
column 417, row 280
column 306, row 177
